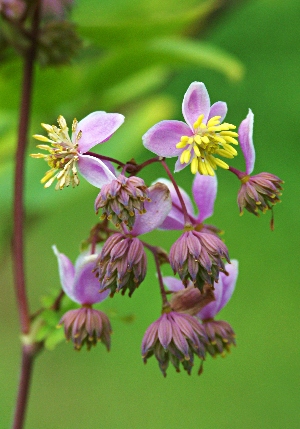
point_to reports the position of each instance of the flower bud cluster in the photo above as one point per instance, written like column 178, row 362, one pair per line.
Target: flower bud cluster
column 121, row 265
column 121, row 199
column 198, row 256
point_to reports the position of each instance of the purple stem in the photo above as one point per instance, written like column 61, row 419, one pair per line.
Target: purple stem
column 28, row 352
column 186, row 216
column 105, row 158
column 238, row 173
column 165, row 302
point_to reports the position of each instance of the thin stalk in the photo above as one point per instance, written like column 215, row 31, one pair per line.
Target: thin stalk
column 186, row 216
column 153, row 250
column 28, row 351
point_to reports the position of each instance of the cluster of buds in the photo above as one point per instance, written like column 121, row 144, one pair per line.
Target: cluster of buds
column 187, row 327
column 121, row 199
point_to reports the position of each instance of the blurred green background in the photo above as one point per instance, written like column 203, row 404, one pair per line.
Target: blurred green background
column 138, row 59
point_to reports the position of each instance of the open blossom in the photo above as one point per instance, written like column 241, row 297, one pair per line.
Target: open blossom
column 197, row 141
column 67, row 154
column 121, row 199
column 259, row 192
column 219, row 333
column 84, row 325
column 122, row 263
column 176, row 338
column 204, row 192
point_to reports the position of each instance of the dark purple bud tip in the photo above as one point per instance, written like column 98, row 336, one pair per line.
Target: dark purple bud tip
column 220, row 335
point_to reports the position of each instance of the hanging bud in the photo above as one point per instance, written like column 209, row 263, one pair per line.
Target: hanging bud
column 198, row 256
column 86, row 326
column 122, row 199
column 122, row 264
column 190, row 300
column 176, row 338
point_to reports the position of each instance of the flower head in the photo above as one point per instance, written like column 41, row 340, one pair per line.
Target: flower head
column 121, row 199
column 198, row 256
column 259, row 192
column 197, row 141
column 219, row 333
column 176, row 338
column 122, row 263
column 67, row 154
column 84, row 325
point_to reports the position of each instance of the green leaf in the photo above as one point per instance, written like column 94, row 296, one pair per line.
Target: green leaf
column 178, row 52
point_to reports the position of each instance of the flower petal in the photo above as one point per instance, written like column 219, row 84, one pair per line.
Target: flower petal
column 179, row 166
column 175, row 219
column 204, row 191
column 163, row 137
column 218, row 109
column 228, row 282
column 66, row 273
column 96, row 128
column 94, row 170
column 211, row 309
column 246, row 141
column 86, row 284
column 195, row 103
column 173, row 284
column 156, row 210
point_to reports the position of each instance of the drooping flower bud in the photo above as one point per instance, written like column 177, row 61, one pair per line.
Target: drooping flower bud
column 122, row 264
column 258, row 192
column 220, row 335
column 198, row 256
column 121, row 199
column 86, row 325
column 174, row 337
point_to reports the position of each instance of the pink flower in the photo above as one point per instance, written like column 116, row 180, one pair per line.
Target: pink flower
column 199, row 139
column 66, row 154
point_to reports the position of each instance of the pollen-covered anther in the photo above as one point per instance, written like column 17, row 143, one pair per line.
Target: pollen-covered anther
column 208, row 140
column 63, row 154
column 121, row 199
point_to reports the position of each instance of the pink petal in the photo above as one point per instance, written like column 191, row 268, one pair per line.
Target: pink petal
column 173, row 284
column 195, row 103
column 96, row 128
column 204, row 192
column 156, row 210
column 218, row 109
column 175, row 217
column 86, row 284
column 66, row 273
column 246, row 141
column 179, row 166
column 163, row 137
column 94, row 170
column 164, row 331
column 211, row 309
column 228, row 283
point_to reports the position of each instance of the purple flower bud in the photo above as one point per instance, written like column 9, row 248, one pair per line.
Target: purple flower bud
column 258, row 192
column 122, row 264
column 86, row 326
column 198, row 256
column 174, row 337
column 121, row 199
column 220, row 335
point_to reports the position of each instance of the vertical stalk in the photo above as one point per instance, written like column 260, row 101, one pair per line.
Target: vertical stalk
column 28, row 351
